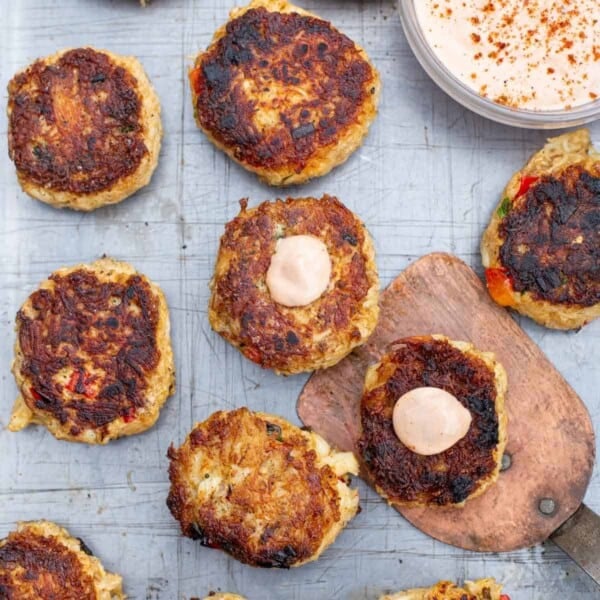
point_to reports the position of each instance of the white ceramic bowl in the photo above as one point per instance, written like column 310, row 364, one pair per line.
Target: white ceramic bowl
column 435, row 68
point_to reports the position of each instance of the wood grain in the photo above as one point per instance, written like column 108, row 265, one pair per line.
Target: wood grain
column 550, row 435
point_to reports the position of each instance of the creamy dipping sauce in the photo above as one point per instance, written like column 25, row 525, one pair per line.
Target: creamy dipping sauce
column 429, row 420
column 300, row 270
column 530, row 54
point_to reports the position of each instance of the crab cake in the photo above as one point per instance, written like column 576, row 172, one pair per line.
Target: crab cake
column 93, row 359
column 245, row 310
column 284, row 93
column 466, row 468
column 223, row 596
column 483, row 589
column 264, row 491
column 41, row 561
column 84, row 128
column 541, row 249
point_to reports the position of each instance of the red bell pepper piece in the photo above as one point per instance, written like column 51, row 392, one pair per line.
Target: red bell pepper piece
column 81, row 380
column 253, row 354
column 499, row 286
column 195, row 79
column 129, row 415
column 526, row 182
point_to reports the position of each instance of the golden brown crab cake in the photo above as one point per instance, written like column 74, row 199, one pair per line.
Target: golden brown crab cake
column 42, row 561
column 541, row 249
column 223, row 596
column 263, row 490
column 93, row 358
column 482, row 589
column 467, row 468
column 301, row 338
column 284, row 93
column 84, row 128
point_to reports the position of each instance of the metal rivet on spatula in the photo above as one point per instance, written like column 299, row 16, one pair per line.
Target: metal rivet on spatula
column 547, row 506
column 506, row 462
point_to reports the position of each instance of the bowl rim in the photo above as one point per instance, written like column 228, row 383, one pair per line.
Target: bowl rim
column 469, row 98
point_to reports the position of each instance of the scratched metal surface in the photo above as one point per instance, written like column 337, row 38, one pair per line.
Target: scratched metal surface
column 426, row 179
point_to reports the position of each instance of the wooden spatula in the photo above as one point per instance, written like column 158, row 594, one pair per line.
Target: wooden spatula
column 550, row 453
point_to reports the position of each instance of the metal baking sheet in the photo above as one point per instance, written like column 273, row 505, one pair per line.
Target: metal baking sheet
column 426, row 179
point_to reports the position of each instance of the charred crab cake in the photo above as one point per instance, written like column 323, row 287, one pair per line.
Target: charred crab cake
column 433, row 422
column 264, row 491
column 541, row 249
column 295, row 285
column 93, row 358
column 84, row 128
column 482, row 589
column 283, row 92
column 41, row 561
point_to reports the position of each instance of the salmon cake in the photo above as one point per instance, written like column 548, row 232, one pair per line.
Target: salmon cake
column 482, row 589
column 269, row 258
column 284, row 93
column 93, row 358
column 541, row 250
column 84, row 128
column 42, row 561
column 399, row 442
column 263, row 490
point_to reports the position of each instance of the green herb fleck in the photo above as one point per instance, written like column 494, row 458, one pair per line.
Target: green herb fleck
column 504, row 208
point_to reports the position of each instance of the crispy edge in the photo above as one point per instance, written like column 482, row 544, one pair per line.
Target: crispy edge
column 150, row 118
column 342, row 464
column 107, row 585
column 374, row 380
column 369, row 311
column 160, row 384
column 573, row 148
column 324, row 159
column 440, row 590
